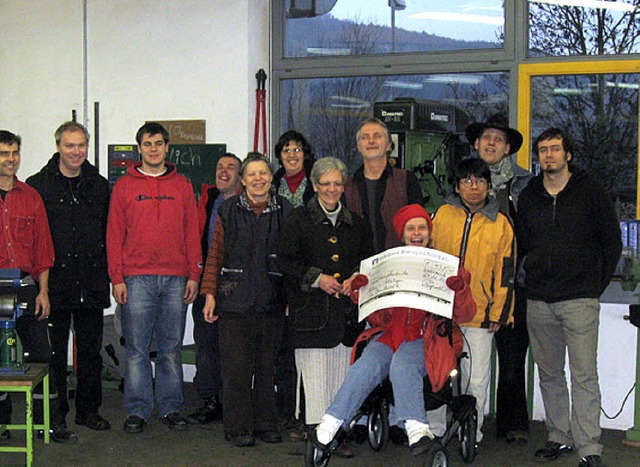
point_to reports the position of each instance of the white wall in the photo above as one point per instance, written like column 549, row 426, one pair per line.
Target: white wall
column 146, row 59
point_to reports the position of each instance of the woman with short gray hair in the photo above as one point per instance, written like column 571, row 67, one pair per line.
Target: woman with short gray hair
column 321, row 247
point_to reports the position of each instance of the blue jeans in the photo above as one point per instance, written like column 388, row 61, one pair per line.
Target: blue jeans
column 406, row 370
column 154, row 307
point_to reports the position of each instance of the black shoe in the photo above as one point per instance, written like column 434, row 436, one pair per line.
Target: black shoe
column 398, row 436
column 517, row 437
column 551, row 451
column 205, row 414
column 174, row 421
column 270, row 436
column 421, row 446
column 241, row 440
column 93, row 421
column 61, row 434
column 134, row 424
column 590, row 461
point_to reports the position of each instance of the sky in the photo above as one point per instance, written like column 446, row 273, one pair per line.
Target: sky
column 456, row 19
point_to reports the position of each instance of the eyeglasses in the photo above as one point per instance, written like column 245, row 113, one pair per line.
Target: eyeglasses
column 294, row 150
column 480, row 182
column 330, row 184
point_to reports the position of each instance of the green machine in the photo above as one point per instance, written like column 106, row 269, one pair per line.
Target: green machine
column 427, row 142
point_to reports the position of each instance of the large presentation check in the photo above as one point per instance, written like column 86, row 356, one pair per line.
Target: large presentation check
column 408, row 276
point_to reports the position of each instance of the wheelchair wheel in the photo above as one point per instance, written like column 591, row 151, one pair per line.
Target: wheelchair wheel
column 378, row 426
column 436, row 457
column 314, row 457
column 467, row 437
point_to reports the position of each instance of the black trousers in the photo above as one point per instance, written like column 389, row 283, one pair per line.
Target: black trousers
column 286, row 375
column 34, row 337
column 511, row 398
column 247, row 348
column 206, row 337
column 88, row 329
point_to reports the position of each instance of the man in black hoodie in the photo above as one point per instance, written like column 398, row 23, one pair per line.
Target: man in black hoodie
column 76, row 198
column 570, row 238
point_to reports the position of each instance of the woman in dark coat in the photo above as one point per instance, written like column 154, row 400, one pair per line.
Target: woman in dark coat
column 243, row 288
column 321, row 247
column 291, row 181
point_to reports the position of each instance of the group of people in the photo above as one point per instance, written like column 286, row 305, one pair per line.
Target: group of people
column 271, row 261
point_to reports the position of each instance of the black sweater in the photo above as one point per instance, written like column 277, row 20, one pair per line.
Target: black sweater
column 571, row 242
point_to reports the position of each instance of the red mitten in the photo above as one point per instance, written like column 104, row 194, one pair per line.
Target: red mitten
column 359, row 281
column 459, row 282
column 464, row 307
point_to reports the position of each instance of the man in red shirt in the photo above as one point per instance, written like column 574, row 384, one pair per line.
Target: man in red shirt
column 25, row 244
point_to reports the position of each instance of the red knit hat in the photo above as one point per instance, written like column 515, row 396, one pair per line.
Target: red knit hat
column 407, row 213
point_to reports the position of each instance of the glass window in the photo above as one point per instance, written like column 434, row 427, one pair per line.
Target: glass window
column 600, row 113
column 362, row 27
column 583, row 27
column 429, row 142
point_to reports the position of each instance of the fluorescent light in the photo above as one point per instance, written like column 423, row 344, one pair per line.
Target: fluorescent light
column 602, row 4
column 402, row 85
column 348, row 102
column 453, row 79
column 460, row 17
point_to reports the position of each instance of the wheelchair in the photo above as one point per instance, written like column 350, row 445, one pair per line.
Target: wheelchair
column 376, row 408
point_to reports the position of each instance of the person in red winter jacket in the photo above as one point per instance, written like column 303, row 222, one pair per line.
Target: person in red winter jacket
column 403, row 350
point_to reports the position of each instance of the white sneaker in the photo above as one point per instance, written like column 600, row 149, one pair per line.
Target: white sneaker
column 327, row 428
column 416, row 431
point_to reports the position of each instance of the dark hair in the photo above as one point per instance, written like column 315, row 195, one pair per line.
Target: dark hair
column 472, row 166
column 152, row 128
column 72, row 127
column 8, row 138
column 299, row 138
column 232, row 156
column 551, row 133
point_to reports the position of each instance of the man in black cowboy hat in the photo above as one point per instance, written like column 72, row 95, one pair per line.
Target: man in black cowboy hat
column 495, row 142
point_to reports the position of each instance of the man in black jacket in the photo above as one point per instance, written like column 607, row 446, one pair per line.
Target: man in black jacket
column 76, row 198
column 571, row 242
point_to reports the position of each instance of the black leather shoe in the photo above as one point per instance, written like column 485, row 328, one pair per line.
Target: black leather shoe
column 517, row 437
column 593, row 460
column 421, row 446
column 60, row 434
column 206, row 414
column 241, row 440
column 270, row 436
column 134, row 424
column 93, row 421
column 551, row 451
column 174, row 421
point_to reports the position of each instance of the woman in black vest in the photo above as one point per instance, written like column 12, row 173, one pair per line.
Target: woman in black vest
column 243, row 288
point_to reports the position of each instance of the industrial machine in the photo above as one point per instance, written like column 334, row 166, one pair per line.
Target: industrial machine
column 13, row 304
column 427, row 141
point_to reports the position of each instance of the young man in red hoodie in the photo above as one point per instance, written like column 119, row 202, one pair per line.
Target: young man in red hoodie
column 155, row 262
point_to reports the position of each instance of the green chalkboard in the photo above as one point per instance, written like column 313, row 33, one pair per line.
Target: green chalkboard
column 197, row 162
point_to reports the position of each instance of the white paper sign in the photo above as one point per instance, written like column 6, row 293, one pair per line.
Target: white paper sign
column 408, row 276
